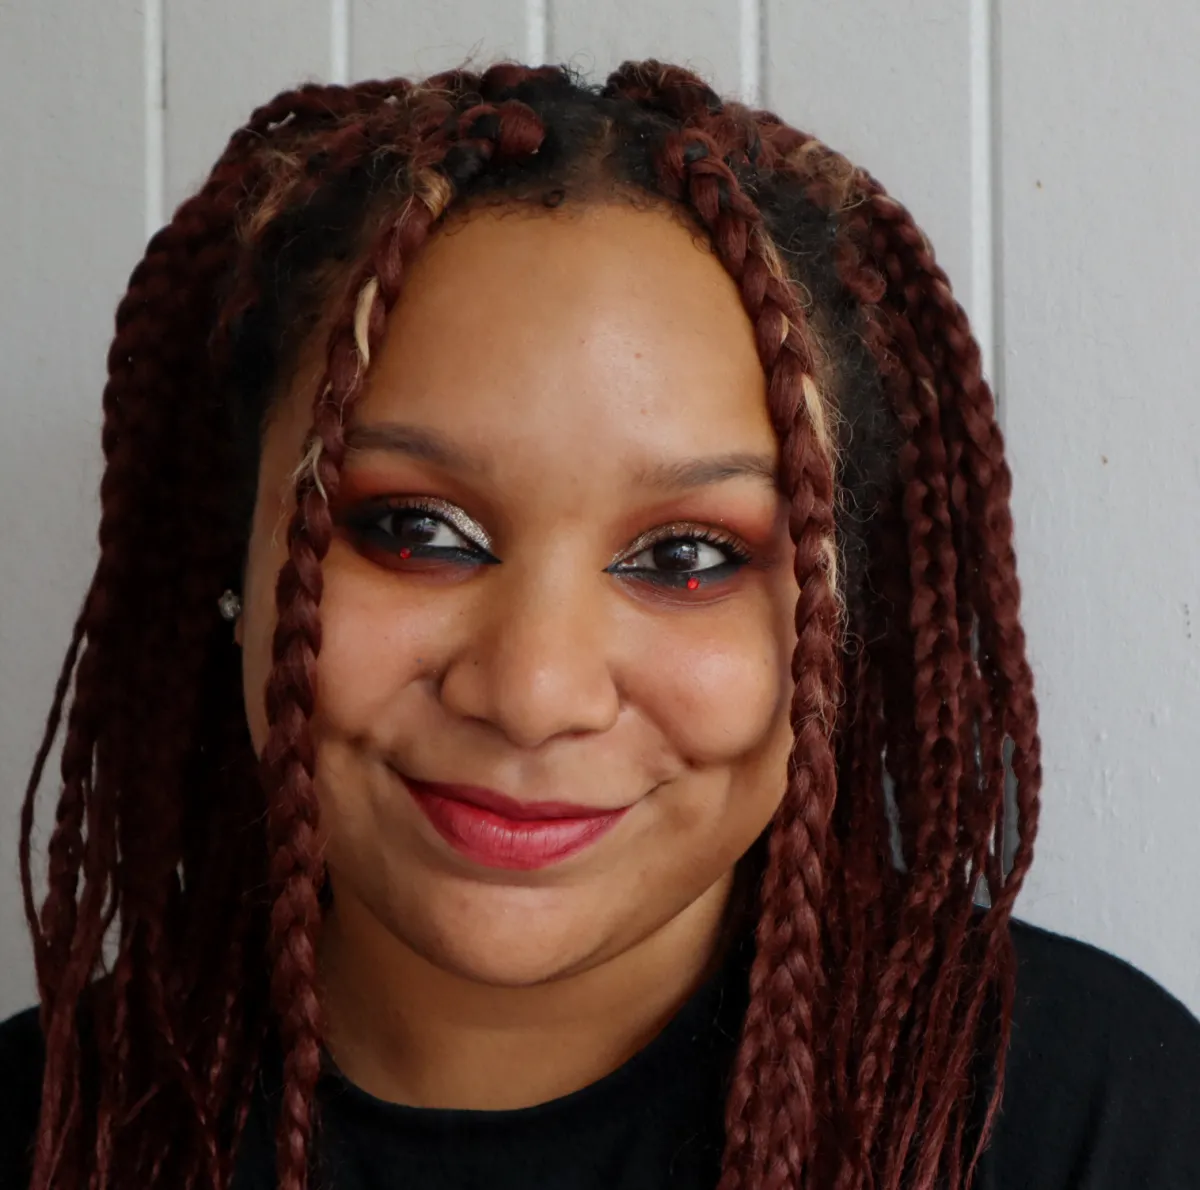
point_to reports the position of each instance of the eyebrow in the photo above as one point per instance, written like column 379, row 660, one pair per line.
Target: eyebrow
column 697, row 473
column 427, row 445
column 430, row 446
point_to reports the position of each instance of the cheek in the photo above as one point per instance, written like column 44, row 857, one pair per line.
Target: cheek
column 379, row 640
column 721, row 694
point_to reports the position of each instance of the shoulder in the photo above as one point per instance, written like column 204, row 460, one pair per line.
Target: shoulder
column 1103, row 1074
column 1069, row 992
column 22, row 1053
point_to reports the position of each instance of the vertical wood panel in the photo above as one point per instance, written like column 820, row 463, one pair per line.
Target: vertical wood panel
column 599, row 37
column 888, row 83
column 71, row 228
column 1099, row 162
column 223, row 59
column 415, row 38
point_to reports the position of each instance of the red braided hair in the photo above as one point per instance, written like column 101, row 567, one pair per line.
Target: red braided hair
column 878, row 991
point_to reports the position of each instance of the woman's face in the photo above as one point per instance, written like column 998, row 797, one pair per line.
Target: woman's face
column 557, row 615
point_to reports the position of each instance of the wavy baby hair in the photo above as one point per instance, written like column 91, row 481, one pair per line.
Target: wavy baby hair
column 175, row 943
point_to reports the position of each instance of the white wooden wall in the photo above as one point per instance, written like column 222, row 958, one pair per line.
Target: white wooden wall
column 1050, row 151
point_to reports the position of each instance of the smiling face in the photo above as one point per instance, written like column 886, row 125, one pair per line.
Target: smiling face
column 561, row 575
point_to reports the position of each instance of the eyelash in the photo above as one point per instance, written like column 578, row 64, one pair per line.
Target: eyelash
column 364, row 523
column 736, row 557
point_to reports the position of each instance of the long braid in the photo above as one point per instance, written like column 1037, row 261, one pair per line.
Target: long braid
column 54, row 721
column 903, row 256
column 151, row 969
column 936, row 709
column 772, row 1112
column 71, row 940
column 183, row 260
column 772, row 1120
column 288, row 757
column 996, row 590
column 951, row 707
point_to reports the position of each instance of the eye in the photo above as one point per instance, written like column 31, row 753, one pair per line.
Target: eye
column 432, row 529
column 686, row 559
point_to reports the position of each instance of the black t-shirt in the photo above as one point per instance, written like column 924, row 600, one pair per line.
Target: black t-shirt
column 1103, row 1093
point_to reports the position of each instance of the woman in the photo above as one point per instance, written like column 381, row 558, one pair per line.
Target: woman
column 542, row 710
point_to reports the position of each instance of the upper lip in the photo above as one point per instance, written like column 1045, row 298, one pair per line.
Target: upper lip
column 508, row 807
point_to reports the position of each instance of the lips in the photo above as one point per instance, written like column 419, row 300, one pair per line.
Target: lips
column 500, row 832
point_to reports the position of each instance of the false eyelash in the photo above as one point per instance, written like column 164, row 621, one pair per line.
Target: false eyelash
column 689, row 532
column 366, row 516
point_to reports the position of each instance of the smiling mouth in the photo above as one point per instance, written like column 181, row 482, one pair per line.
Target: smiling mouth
column 498, row 832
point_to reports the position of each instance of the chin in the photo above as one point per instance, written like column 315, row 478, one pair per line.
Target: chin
column 505, row 936
column 499, row 967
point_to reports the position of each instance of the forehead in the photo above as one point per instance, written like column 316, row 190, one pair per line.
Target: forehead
column 577, row 328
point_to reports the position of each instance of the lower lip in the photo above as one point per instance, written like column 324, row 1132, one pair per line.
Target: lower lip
column 494, row 841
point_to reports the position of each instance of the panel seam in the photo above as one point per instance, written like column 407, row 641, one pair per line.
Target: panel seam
column 154, row 69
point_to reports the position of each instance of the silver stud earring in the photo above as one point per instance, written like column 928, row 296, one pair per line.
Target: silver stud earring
column 230, row 606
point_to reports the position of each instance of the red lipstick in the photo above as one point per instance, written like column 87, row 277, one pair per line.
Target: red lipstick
column 500, row 832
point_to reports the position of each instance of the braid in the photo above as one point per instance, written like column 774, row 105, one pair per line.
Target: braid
column 772, row 1118
column 288, row 758
column 986, row 482
column 70, row 939
column 937, row 672
column 951, row 809
column 921, row 327
column 171, row 286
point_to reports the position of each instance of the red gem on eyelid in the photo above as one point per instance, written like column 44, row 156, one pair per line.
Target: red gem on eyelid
column 406, row 552
column 693, row 583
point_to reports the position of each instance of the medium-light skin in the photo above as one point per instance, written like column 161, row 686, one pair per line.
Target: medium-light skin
column 570, row 367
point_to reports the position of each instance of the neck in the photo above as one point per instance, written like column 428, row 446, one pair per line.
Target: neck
column 408, row 1031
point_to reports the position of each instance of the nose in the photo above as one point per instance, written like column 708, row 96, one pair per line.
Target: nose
column 536, row 661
